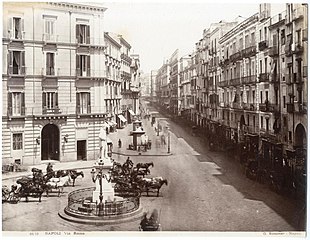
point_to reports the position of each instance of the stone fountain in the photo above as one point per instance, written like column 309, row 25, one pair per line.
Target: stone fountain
column 100, row 204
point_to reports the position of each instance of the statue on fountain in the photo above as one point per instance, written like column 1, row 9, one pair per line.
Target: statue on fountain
column 102, row 169
column 103, row 144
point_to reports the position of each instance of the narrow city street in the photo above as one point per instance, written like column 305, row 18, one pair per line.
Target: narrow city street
column 206, row 191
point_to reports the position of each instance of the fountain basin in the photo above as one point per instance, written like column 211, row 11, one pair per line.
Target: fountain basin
column 81, row 209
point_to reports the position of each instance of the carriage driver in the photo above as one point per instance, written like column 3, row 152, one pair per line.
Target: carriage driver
column 49, row 170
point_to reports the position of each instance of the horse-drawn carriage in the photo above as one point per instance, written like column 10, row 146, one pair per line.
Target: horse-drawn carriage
column 36, row 184
column 129, row 179
column 150, row 224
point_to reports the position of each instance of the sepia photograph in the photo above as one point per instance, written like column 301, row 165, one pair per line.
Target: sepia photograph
column 172, row 117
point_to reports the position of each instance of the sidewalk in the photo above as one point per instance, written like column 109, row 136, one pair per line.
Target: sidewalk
column 56, row 166
column 122, row 134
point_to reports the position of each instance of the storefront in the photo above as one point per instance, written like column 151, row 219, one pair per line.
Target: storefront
column 121, row 121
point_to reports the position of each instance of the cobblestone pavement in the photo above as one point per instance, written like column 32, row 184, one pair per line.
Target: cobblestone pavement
column 205, row 192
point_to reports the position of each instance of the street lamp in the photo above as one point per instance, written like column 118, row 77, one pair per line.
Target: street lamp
column 99, row 176
column 168, row 140
column 158, row 127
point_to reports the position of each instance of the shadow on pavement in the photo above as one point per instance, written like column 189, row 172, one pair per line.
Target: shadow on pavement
column 292, row 210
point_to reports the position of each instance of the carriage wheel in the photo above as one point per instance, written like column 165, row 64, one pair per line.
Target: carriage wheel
column 14, row 198
column 5, row 196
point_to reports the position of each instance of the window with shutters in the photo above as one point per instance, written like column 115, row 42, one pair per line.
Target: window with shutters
column 83, row 65
column 50, row 64
column 49, row 29
column 247, row 41
column 82, row 34
column 83, row 103
column 253, row 42
column 16, row 103
column 16, row 62
column 17, row 28
column 283, row 36
column 17, row 141
column 50, row 102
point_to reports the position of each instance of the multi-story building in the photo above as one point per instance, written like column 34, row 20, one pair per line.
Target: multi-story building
column 61, row 81
column 153, row 85
column 126, row 102
column 50, row 103
column 185, row 86
column 113, row 96
column 237, row 86
column 268, row 90
column 163, row 81
column 208, row 51
column 145, row 84
column 174, row 83
column 296, row 60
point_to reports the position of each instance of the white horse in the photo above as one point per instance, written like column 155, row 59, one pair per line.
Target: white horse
column 58, row 183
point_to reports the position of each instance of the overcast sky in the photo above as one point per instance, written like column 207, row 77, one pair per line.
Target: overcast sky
column 156, row 29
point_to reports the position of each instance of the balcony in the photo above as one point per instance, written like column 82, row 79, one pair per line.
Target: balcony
column 298, row 14
column 288, row 50
column 126, row 58
column 81, row 110
column 248, row 52
column 235, row 82
column 305, row 34
column 223, row 62
column 274, row 51
column 223, row 83
column 302, row 108
column 18, row 71
column 275, row 78
column 16, row 112
column 297, row 78
column 235, row 57
column 268, row 107
column 49, row 38
column 263, row 77
column 290, row 107
column 83, row 72
column 55, row 110
column 237, row 105
column 298, row 49
column 262, row 45
column 248, row 79
column 249, row 106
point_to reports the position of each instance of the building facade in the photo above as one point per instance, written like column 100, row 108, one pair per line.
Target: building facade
column 248, row 86
column 126, row 101
column 61, row 81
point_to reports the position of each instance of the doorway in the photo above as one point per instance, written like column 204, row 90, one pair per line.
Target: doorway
column 50, row 142
column 81, row 150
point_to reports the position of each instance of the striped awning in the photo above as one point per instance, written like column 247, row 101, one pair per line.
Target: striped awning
column 131, row 112
column 112, row 123
column 122, row 118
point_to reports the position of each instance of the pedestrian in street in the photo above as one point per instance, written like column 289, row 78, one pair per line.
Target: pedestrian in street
column 119, row 143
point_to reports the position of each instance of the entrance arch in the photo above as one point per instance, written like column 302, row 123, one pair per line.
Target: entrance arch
column 300, row 137
column 50, row 142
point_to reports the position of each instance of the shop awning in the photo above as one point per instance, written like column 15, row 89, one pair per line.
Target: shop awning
column 131, row 112
column 112, row 123
column 122, row 118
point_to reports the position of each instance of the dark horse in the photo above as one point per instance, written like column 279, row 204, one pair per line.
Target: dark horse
column 152, row 183
column 127, row 166
column 30, row 188
column 73, row 174
column 144, row 165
